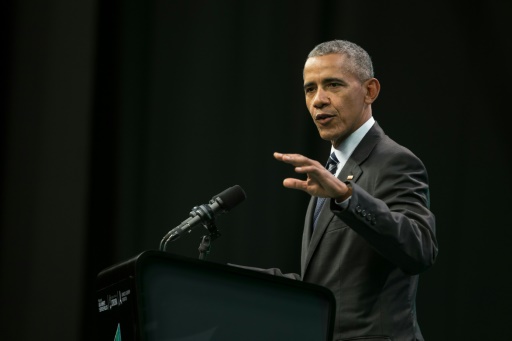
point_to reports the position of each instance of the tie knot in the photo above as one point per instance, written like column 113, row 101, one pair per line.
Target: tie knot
column 332, row 163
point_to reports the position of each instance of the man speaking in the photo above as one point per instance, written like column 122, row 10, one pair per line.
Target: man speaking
column 368, row 229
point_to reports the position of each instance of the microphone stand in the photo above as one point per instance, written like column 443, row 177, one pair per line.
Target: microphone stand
column 205, row 245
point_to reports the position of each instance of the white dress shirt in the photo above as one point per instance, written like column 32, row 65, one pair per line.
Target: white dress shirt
column 347, row 147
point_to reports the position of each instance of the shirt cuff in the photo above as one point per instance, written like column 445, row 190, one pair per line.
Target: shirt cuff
column 343, row 204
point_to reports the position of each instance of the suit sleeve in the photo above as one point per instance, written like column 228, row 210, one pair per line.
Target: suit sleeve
column 395, row 218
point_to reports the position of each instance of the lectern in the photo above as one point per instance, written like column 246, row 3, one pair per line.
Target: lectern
column 157, row 296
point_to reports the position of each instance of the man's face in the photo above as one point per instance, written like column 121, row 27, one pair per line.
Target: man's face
column 336, row 99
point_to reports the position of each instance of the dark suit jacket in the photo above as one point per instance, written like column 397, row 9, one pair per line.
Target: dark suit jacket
column 370, row 254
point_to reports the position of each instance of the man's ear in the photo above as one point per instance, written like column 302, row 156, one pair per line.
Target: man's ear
column 372, row 90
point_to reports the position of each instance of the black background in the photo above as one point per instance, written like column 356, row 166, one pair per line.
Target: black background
column 117, row 117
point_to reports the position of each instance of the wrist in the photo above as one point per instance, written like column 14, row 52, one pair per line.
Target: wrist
column 345, row 196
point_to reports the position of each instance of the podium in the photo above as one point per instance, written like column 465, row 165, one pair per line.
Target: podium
column 157, row 296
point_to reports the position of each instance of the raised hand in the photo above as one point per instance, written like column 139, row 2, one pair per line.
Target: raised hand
column 319, row 182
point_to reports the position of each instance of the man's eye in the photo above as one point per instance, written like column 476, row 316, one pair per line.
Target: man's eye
column 334, row 85
column 309, row 89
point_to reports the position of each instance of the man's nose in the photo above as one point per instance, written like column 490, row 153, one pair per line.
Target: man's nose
column 321, row 98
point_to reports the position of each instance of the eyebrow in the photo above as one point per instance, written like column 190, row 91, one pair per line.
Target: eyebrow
column 333, row 79
column 307, row 85
column 326, row 81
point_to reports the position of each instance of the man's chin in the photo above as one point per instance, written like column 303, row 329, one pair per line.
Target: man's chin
column 327, row 136
column 335, row 139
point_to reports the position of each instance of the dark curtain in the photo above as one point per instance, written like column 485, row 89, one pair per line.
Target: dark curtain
column 118, row 117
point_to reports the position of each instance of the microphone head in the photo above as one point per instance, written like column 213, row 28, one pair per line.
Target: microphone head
column 230, row 197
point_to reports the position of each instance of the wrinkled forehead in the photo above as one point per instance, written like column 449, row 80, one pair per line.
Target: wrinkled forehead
column 327, row 65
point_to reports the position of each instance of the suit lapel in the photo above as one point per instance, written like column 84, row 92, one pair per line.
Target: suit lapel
column 306, row 235
column 351, row 171
column 312, row 239
column 323, row 221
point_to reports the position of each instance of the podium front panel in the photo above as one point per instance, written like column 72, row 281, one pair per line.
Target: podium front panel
column 164, row 297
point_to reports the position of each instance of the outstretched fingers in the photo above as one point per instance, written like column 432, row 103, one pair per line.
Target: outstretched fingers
column 296, row 160
column 295, row 184
column 320, row 182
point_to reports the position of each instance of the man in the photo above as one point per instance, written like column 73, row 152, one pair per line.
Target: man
column 374, row 233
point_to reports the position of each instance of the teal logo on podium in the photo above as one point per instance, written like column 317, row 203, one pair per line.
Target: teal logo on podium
column 118, row 333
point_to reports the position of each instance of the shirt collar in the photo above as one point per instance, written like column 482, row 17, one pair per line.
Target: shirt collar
column 347, row 146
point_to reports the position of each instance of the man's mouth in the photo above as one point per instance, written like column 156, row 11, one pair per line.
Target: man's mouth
column 323, row 118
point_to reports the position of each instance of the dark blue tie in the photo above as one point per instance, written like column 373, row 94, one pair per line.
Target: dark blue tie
column 332, row 165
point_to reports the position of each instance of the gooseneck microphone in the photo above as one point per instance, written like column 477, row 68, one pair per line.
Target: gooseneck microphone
column 205, row 214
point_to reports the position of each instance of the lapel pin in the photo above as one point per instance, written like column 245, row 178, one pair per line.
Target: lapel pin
column 350, row 177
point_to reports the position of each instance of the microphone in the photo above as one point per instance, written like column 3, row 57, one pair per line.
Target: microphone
column 205, row 214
